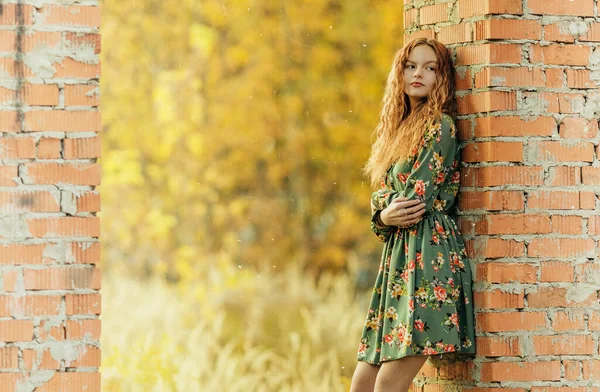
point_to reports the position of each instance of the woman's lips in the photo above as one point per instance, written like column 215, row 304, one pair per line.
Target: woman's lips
column 416, row 84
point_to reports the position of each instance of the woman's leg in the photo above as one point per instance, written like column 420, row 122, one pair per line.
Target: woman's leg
column 397, row 375
column 364, row 377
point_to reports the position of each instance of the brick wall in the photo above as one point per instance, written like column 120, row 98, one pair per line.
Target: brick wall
column 49, row 119
column 529, row 103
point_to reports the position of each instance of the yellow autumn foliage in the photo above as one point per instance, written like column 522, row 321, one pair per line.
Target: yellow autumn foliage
column 235, row 221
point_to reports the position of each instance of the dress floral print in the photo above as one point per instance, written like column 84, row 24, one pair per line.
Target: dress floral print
column 422, row 298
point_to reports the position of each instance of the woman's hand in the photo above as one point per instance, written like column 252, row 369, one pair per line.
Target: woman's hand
column 402, row 212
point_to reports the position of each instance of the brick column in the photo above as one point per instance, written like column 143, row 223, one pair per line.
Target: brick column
column 49, row 122
column 529, row 103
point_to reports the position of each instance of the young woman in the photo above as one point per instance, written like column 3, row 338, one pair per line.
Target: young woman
column 422, row 299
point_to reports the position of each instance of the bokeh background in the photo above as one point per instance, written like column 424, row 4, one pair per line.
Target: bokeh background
column 237, row 254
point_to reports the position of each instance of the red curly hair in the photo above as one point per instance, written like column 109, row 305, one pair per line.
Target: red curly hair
column 401, row 127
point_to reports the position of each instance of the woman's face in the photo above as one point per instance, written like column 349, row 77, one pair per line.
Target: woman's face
column 420, row 73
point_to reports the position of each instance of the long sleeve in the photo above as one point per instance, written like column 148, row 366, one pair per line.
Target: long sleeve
column 382, row 233
column 435, row 161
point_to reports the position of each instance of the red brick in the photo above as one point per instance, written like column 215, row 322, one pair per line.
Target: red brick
column 502, row 175
column 520, row 371
column 81, row 148
column 62, row 278
column 496, row 299
column 560, row 151
column 9, row 358
column 555, row 54
column 29, row 359
column 572, row 370
column 19, row 254
column 593, row 34
column 84, row 329
column 84, row 16
column 564, row 345
column 514, row 126
column 9, row 120
column 82, row 95
column 455, row 34
column 514, row 224
column 573, row 319
column 29, row 306
column 551, row 297
column 463, row 80
column 504, row 389
column 587, row 200
column 487, row 101
column 72, row 382
column 594, row 225
column 17, row 148
column 89, row 356
column 553, row 200
column 591, row 370
column 506, row 273
column 554, row 77
column 507, row 29
column 590, row 175
column 563, row 389
column 14, row 14
column 491, row 248
column 83, row 304
column 410, row 18
column 64, row 227
column 560, row 247
column 426, row 33
column 70, row 68
column 62, row 121
column 453, row 371
column 49, row 148
column 16, row 331
column 559, row 7
column 587, row 271
column 580, row 78
column 431, row 14
column 48, row 362
column 564, row 176
column 85, row 252
column 8, row 175
column 556, row 271
column 31, row 94
column 49, row 330
column 496, row 346
column 28, row 201
column 493, row 152
column 509, row 77
column 493, row 53
column 511, row 321
column 29, row 41
column 574, row 127
column 558, row 32
column 9, row 279
column 76, row 41
column 88, row 202
column 492, row 200
column 469, row 8
column 566, row 224
column 54, row 173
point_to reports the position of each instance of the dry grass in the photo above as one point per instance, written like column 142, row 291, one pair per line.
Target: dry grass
column 232, row 330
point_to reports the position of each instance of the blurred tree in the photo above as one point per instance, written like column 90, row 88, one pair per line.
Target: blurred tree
column 237, row 130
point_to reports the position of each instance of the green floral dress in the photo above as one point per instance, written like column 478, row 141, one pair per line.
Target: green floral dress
column 422, row 299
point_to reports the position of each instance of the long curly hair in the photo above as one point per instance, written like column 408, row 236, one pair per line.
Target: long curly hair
column 401, row 128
